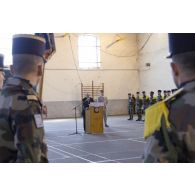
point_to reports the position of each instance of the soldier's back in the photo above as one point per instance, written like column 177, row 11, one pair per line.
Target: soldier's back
column 21, row 133
column 182, row 112
column 174, row 142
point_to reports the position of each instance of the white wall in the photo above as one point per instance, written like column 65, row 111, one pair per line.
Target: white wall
column 158, row 75
column 118, row 72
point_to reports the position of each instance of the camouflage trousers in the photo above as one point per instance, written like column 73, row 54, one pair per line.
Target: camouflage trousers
column 139, row 114
column 131, row 112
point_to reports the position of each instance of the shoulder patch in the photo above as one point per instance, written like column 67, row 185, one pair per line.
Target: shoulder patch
column 32, row 98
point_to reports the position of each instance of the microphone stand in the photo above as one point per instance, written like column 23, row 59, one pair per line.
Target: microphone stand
column 75, row 116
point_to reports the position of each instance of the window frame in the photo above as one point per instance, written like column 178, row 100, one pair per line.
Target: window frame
column 96, row 47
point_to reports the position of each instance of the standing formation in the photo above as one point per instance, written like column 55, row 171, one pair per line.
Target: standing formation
column 137, row 105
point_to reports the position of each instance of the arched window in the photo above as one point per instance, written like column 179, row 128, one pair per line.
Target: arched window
column 89, row 51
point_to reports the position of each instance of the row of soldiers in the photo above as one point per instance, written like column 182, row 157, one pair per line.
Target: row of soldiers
column 138, row 104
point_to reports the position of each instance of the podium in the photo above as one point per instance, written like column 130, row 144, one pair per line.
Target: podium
column 94, row 118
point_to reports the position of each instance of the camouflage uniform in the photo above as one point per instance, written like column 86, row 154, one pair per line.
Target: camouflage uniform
column 145, row 102
column 152, row 100
column 138, row 105
column 159, row 98
column 175, row 143
column 131, row 107
column 21, row 125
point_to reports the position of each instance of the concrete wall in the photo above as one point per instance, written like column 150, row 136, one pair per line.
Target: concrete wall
column 118, row 72
column 158, row 75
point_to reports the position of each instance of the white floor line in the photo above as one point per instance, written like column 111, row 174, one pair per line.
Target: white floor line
column 88, row 152
column 121, row 159
column 82, row 151
column 63, row 155
column 100, row 134
column 56, row 159
column 71, row 154
column 63, row 130
column 91, row 142
column 135, row 139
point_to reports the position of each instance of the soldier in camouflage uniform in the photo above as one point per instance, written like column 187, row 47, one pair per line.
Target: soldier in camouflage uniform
column 171, row 136
column 159, row 96
column 131, row 104
column 145, row 101
column 152, row 99
column 1, row 71
column 21, row 124
column 165, row 94
column 168, row 93
column 138, row 106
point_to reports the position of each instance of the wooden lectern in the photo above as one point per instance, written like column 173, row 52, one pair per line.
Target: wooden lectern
column 94, row 118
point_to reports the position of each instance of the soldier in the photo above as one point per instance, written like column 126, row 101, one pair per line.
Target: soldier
column 159, row 96
column 165, row 94
column 1, row 71
column 138, row 104
column 173, row 90
column 145, row 101
column 171, row 136
column 134, row 111
column 131, row 101
column 152, row 99
column 21, row 124
column 168, row 93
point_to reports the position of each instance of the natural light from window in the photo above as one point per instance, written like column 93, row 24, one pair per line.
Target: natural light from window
column 6, row 47
column 89, row 51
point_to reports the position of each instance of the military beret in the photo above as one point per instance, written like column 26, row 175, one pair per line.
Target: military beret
column 1, row 62
column 28, row 44
column 181, row 43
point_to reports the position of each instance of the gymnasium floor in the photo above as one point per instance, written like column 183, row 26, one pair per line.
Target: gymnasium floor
column 122, row 142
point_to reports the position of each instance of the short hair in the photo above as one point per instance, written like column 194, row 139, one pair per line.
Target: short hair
column 26, row 63
column 186, row 61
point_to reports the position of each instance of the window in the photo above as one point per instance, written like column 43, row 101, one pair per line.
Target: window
column 89, row 51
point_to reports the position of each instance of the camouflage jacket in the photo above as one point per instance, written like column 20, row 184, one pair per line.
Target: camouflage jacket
column 159, row 98
column 175, row 143
column 131, row 102
column 138, row 103
column 152, row 100
column 21, row 125
column 145, row 101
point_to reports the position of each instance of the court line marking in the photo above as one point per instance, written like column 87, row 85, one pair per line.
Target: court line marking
column 81, row 150
column 61, row 154
column 56, row 159
column 71, row 154
column 99, row 135
column 131, row 139
column 112, row 128
column 121, row 159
